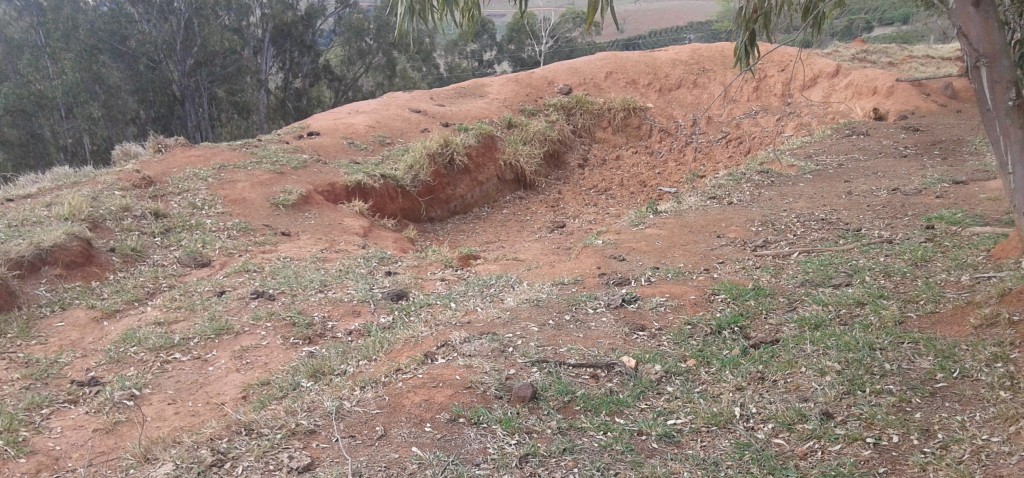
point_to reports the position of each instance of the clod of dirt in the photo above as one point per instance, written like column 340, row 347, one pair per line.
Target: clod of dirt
column 193, row 260
column 257, row 294
column 395, row 295
column 142, row 181
column 556, row 225
column 563, row 89
column 617, row 257
column 523, row 393
column 312, row 134
column 948, row 90
column 463, row 261
column 615, row 280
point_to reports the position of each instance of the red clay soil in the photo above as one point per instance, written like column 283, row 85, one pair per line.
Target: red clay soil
column 9, row 297
column 707, row 119
column 1011, row 248
column 536, row 236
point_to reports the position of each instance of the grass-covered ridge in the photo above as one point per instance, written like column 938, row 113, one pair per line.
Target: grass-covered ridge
column 525, row 142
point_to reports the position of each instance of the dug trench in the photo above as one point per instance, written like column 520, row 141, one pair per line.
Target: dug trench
column 488, row 170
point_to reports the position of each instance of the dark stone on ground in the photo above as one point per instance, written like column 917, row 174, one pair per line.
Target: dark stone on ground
column 523, row 393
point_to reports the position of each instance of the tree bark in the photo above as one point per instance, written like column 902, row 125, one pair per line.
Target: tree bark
column 983, row 40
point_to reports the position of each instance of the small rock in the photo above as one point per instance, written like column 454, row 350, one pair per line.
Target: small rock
column 617, row 281
column 395, row 295
column 523, row 393
column 563, row 89
column 628, row 362
column 142, row 181
column 668, row 190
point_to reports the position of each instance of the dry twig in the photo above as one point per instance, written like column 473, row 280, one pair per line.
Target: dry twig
column 819, row 250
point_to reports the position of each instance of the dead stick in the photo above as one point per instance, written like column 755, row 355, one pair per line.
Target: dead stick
column 819, row 250
column 988, row 230
column 991, row 275
column 926, row 78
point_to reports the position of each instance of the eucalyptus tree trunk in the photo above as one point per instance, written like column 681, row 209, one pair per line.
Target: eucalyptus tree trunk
column 986, row 47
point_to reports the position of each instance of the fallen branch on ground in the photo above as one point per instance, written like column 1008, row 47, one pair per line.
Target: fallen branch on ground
column 926, row 78
column 991, row 275
column 606, row 366
column 820, row 250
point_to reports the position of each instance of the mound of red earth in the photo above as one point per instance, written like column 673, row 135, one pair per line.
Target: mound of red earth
column 73, row 259
column 704, row 117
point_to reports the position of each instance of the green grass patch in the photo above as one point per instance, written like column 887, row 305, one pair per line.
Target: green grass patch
column 953, row 218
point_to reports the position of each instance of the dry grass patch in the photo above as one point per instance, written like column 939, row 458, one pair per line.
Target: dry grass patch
column 526, row 142
column 910, row 61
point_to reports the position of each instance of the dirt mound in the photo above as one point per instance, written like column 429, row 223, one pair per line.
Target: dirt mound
column 703, row 119
column 999, row 319
column 74, row 258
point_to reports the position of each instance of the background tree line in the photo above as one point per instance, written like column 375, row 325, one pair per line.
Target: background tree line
column 78, row 77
